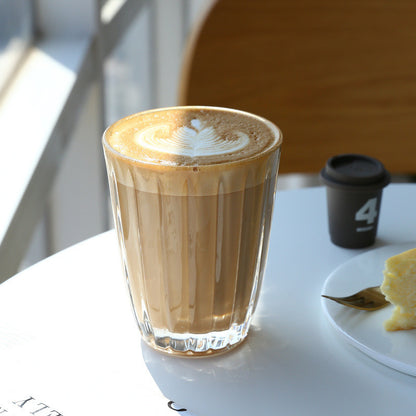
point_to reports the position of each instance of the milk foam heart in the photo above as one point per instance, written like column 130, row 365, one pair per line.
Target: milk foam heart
column 198, row 139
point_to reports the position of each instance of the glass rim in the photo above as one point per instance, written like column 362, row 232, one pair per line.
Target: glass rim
column 277, row 133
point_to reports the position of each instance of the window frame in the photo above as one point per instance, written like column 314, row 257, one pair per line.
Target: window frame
column 37, row 121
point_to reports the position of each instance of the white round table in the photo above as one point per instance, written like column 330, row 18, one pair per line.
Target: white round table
column 69, row 344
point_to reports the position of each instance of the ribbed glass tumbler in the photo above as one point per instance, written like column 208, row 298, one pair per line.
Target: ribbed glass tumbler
column 192, row 209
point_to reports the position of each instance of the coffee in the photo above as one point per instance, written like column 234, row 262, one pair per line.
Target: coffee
column 192, row 191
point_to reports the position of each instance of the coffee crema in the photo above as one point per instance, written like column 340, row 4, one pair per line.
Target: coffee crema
column 200, row 136
column 216, row 143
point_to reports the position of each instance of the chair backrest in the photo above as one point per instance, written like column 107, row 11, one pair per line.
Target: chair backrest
column 336, row 76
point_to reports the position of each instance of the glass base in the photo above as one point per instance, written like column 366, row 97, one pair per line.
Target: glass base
column 195, row 345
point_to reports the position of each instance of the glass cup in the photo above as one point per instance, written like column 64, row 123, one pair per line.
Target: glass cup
column 192, row 191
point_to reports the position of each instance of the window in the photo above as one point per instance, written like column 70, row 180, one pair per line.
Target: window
column 16, row 29
column 76, row 75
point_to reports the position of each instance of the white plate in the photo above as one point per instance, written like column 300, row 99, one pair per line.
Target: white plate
column 362, row 329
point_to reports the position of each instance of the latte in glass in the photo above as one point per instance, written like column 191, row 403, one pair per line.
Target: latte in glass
column 192, row 192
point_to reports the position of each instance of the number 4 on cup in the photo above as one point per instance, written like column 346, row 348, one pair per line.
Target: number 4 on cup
column 368, row 212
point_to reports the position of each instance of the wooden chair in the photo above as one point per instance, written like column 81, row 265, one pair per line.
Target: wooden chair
column 336, row 76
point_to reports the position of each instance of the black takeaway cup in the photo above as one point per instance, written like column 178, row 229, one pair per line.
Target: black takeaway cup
column 354, row 185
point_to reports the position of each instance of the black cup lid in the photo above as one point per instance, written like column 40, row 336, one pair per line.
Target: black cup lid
column 352, row 170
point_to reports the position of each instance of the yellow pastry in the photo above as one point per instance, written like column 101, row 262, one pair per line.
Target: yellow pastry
column 399, row 288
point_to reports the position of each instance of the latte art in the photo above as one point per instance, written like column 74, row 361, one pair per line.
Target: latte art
column 197, row 140
column 192, row 136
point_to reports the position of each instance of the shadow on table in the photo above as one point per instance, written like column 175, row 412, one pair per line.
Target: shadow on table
column 241, row 378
